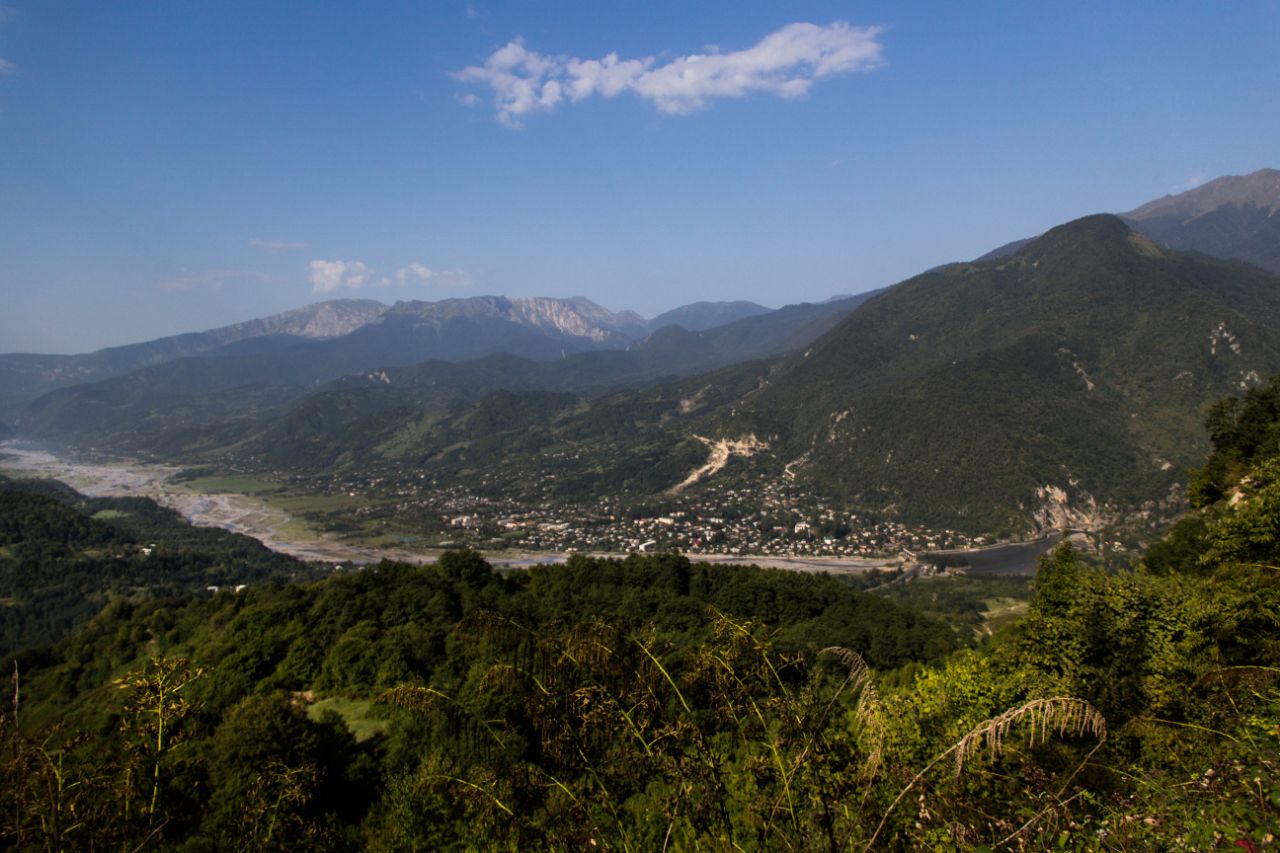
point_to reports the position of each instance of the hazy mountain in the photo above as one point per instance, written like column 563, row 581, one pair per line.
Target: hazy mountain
column 356, row 335
column 321, row 426
column 699, row 316
column 304, row 347
column 1237, row 216
column 25, row 375
column 331, row 319
column 416, row 356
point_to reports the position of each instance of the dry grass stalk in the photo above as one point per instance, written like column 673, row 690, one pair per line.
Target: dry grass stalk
column 1063, row 715
column 420, row 699
column 868, row 710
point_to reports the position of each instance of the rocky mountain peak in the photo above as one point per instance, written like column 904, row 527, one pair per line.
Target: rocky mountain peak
column 576, row 317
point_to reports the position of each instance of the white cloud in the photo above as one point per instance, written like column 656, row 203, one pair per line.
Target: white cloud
column 276, row 245
column 786, row 63
column 7, row 67
column 327, row 276
column 413, row 272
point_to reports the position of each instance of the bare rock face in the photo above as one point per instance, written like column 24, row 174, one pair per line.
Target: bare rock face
column 1058, row 510
column 577, row 317
column 331, row 319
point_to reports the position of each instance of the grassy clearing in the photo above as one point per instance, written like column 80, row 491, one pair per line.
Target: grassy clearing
column 110, row 514
column 356, row 713
column 1003, row 611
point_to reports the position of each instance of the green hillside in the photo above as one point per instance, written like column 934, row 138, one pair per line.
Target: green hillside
column 64, row 556
column 650, row 702
column 1083, row 362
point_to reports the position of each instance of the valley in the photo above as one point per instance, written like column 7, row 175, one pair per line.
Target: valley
column 293, row 523
column 1063, row 383
column 674, row 427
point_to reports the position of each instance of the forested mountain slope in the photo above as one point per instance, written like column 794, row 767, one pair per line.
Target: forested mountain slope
column 452, row 707
column 1079, row 366
column 192, row 405
column 1234, row 217
column 64, row 556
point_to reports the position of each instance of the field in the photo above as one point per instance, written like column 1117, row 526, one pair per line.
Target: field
column 358, row 714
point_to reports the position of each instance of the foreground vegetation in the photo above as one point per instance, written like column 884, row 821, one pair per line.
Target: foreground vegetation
column 654, row 704
column 63, row 556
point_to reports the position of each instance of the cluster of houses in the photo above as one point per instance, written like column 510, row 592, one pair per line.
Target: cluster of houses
column 766, row 519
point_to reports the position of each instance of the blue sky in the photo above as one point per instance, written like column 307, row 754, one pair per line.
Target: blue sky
column 169, row 167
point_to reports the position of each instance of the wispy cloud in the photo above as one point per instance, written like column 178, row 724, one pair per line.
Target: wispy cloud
column 276, row 245
column 785, row 63
column 414, row 272
column 7, row 14
column 214, row 279
column 328, row 276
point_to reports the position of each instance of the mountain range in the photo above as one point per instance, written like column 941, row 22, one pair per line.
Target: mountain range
column 1058, row 382
column 1057, row 387
column 542, row 344
column 26, row 375
column 347, row 336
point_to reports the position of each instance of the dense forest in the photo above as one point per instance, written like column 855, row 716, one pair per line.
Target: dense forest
column 63, row 556
column 655, row 704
